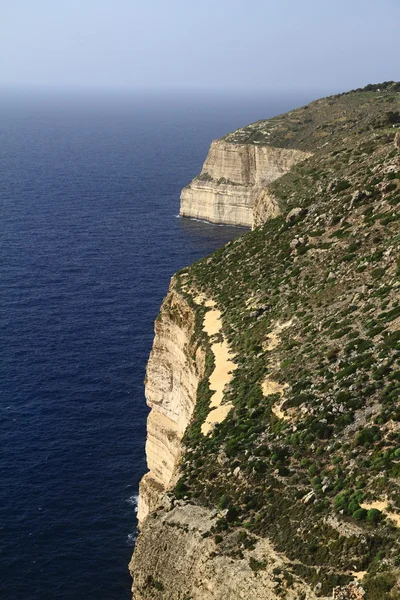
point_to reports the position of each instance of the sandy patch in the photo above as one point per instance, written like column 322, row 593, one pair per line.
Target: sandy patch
column 382, row 506
column 198, row 298
column 358, row 575
column 212, row 320
column 273, row 338
column 222, row 373
column 393, row 517
column 217, row 415
column 274, row 387
column 278, row 412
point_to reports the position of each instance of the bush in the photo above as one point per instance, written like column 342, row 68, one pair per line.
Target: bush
column 367, row 436
column 360, row 514
column 341, row 186
column 224, row 501
column 374, row 515
column 353, row 506
column 341, row 502
column 256, row 565
column 312, row 469
column 232, row 514
column 393, row 117
column 181, row 489
column 379, row 586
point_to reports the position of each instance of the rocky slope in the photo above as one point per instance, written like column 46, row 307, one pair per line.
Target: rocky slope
column 231, row 178
column 295, row 493
column 190, row 566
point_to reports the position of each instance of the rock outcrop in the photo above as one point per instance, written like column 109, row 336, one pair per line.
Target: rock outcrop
column 231, row 179
column 175, row 559
column 265, row 207
column 173, row 372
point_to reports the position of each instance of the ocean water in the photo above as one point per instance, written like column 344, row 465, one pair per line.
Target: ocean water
column 89, row 238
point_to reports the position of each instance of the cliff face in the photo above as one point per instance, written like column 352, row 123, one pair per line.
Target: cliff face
column 231, row 178
column 174, row 369
column 265, row 207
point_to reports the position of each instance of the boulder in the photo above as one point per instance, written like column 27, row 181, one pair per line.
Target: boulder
column 295, row 213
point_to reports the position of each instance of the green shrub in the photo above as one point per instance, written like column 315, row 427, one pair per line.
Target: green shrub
column 341, row 186
column 223, row 503
column 256, row 565
column 374, row 515
column 360, row 514
column 232, row 514
column 367, row 436
column 379, row 586
column 181, row 489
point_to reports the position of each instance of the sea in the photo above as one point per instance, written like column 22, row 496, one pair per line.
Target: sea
column 89, row 239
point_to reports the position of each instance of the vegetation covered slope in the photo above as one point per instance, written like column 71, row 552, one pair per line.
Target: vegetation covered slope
column 304, row 465
column 326, row 121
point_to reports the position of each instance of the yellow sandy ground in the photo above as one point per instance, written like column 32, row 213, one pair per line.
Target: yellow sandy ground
column 273, row 387
column 224, row 366
column 359, row 575
column 273, row 338
column 382, row 506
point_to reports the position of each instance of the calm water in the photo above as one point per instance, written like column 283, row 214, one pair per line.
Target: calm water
column 89, row 193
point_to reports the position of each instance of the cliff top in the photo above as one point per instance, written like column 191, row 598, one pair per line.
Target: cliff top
column 323, row 122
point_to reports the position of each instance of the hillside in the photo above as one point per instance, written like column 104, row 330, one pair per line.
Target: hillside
column 296, row 489
column 326, row 120
column 240, row 165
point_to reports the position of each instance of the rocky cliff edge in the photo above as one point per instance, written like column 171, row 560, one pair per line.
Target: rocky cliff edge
column 231, row 179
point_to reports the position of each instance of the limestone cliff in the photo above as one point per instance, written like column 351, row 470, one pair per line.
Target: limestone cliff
column 231, row 179
column 173, row 372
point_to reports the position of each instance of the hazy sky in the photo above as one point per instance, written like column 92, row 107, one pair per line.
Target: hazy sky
column 231, row 44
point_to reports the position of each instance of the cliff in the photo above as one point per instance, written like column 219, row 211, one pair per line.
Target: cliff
column 293, row 491
column 231, row 178
column 174, row 369
column 245, row 162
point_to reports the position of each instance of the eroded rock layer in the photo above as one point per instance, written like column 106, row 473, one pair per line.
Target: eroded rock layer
column 175, row 560
column 231, row 178
column 173, row 372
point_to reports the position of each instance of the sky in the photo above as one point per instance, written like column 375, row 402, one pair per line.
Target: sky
column 280, row 45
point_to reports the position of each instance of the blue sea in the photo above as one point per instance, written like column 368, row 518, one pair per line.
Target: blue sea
column 89, row 238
